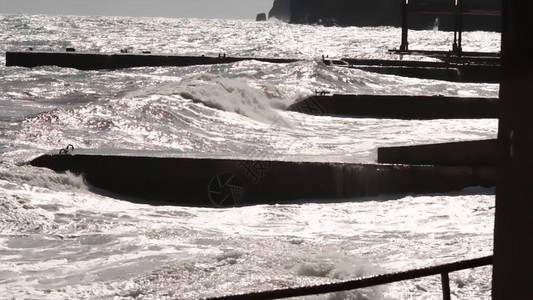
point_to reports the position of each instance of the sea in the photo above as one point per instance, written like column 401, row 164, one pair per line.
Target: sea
column 61, row 240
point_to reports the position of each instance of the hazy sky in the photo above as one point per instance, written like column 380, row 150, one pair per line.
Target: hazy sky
column 228, row 9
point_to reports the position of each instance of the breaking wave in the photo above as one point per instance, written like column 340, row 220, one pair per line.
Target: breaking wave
column 347, row 268
column 42, row 178
column 228, row 94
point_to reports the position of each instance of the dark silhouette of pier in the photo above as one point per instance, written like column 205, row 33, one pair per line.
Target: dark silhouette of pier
column 194, row 182
column 398, row 107
column 466, row 69
column 513, row 263
column 108, row 61
column 453, row 13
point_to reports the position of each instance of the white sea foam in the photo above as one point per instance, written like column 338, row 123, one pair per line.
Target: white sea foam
column 228, row 94
column 43, row 178
column 58, row 239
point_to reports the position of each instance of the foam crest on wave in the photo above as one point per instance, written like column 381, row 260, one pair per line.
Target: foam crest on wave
column 41, row 178
column 338, row 267
column 235, row 95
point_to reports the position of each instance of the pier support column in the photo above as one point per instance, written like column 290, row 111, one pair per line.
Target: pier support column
column 405, row 28
column 458, row 31
column 513, row 234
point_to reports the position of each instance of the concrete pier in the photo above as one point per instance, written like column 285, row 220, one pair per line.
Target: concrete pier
column 455, row 72
column 100, row 61
column 481, row 58
column 452, row 15
column 398, row 107
column 230, row 182
column 470, row 153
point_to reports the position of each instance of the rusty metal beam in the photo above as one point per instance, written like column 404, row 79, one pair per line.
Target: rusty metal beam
column 362, row 282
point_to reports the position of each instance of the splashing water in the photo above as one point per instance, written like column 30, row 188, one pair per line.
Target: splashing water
column 58, row 239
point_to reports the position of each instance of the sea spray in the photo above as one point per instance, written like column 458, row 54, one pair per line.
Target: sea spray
column 62, row 242
column 336, row 266
column 232, row 95
column 236, row 95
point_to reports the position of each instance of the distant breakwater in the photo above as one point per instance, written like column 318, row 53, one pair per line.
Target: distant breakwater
column 384, row 13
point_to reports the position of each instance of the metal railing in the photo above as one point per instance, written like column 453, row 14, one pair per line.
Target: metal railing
column 443, row 270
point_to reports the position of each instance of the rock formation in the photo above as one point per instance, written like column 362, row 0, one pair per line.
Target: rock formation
column 383, row 13
column 346, row 12
column 281, row 10
column 261, row 17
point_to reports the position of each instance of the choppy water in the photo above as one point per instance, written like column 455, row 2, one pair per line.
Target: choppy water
column 58, row 240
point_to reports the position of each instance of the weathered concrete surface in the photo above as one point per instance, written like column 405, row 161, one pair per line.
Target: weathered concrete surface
column 513, row 262
column 399, row 107
column 98, row 61
column 202, row 182
column 470, row 153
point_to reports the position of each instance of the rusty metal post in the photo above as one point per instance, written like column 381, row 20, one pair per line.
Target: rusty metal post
column 513, row 262
column 361, row 282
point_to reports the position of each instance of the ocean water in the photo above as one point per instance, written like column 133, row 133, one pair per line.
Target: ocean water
column 60, row 240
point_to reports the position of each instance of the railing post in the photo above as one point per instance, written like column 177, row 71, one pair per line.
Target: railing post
column 445, row 286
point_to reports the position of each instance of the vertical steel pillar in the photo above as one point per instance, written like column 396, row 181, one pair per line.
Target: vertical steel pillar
column 458, row 36
column 513, row 233
column 460, row 33
column 456, row 27
column 446, row 294
column 405, row 24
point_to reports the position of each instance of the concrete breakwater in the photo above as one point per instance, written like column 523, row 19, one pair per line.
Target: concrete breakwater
column 457, row 71
column 464, row 70
column 474, row 153
column 99, row 61
column 398, row 107
column 211, row 182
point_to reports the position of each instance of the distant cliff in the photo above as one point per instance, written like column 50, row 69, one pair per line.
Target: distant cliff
column 281, row 10
column 346, row 12
column 381, row 13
